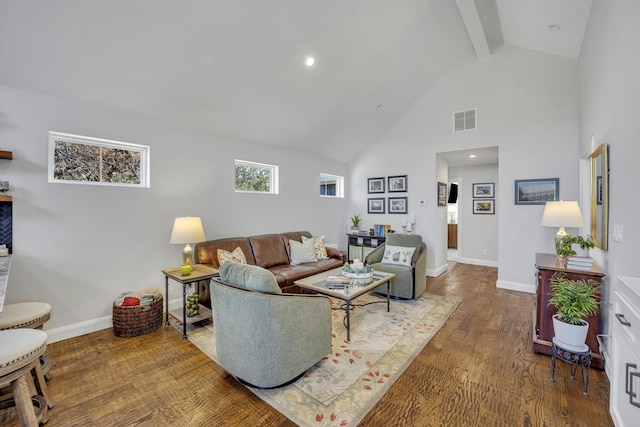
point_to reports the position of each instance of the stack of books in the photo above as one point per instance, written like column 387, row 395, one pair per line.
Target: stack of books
column 582, row 263
column 381, row 229
column 337, row 282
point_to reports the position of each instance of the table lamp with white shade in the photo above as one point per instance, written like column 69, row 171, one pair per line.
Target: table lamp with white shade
column 562, row 214
column 187, row 230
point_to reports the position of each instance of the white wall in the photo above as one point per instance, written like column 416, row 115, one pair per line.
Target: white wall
column 477, row 233
column 77, row 246
column 609, row 110
column 528, row 106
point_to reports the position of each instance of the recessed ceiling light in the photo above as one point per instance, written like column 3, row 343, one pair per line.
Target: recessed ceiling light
column 309, row 61
column 554, row 27
column 472, row 156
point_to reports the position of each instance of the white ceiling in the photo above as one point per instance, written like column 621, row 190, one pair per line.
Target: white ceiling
column 236, row 68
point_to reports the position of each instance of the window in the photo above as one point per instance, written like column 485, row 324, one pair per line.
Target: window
column 77, row 159
column 254, row 177
column 331, row 185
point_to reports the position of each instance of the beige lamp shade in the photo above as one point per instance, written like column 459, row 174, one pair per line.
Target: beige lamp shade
column 562, row 214
column 187, row 230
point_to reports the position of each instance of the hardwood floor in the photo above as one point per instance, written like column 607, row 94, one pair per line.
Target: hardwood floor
column 479, row 370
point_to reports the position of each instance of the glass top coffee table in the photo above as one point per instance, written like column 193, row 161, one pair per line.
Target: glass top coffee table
column 332, row 283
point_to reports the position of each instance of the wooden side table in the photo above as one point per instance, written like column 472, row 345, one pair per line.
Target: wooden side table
column 200, row 272
column 543, row 334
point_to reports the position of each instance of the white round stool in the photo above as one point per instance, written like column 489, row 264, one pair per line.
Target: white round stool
column 32, row 315
column 20, row 350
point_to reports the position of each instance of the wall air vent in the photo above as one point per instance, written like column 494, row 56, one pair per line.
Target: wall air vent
column 464, row 120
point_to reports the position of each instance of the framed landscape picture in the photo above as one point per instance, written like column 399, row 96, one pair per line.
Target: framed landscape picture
column 397, row 205
column 376, row 206
column 484, row 206
column 484, row 190
column 397, row 184
column 376, row 185
column 536, row 191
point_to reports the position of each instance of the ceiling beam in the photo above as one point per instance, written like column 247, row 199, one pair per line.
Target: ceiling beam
column 473, row 24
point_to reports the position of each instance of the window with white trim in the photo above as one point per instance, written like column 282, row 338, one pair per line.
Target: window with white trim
column 331, row 185
column 75, row 159
column 252, row 177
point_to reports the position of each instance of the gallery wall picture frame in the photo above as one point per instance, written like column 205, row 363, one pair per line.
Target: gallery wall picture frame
column 484, row 206
column 397, row 205
column 375, row 205
column 536, row 191
column 397, row 184
column 375, row 185
column 442, row 194
column 484, row 190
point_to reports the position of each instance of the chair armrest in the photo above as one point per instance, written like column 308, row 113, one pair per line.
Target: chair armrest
column 375, row 255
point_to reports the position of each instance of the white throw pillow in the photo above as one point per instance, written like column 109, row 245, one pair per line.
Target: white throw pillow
column 319, row 246
column 236, row 256
column 302, row 252
column 398, row 255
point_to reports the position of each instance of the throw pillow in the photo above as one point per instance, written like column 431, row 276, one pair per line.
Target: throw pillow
column 250, row 277
column 236, row 256
column 318, row 246
column 302, row 252
column 398, row 255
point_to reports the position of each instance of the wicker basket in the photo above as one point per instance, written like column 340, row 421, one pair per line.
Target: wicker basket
column 137, row 320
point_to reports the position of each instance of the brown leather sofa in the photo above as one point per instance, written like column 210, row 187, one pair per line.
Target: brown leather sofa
column 269, row 251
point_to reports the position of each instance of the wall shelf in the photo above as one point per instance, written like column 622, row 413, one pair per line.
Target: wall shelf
column 6, row 154
column 4, row 198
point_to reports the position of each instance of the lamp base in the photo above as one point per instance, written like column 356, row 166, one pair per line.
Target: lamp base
column 187, row 255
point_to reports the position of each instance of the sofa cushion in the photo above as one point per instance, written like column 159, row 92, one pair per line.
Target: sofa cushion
column 302, row 253
column 318, row 246
column 250, row 277
column 399, row 255
column 269, row 250
column 236, row 256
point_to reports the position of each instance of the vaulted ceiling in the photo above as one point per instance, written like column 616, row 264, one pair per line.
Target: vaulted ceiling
column 237, row 68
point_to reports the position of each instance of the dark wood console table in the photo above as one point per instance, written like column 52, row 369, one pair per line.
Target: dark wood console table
column 543, row 329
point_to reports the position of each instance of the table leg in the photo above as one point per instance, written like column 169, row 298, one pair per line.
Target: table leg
column 348, row 321
column 184, row 311
column 388, row 290
column 166, row 300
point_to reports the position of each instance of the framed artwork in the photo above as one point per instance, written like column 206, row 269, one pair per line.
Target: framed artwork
column 397, row 205
column 376, row 185
column 397, row 184
column 442, row 194
column 484, row 206
column 376, row 206
column 485, row 189
column 536, row 191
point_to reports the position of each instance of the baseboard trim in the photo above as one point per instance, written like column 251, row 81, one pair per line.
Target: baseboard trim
column 516, row 286
column 437, row 271
column 482, row 262
column 89, row 326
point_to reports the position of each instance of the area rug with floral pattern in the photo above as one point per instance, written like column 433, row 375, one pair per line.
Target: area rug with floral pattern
column 345, row 385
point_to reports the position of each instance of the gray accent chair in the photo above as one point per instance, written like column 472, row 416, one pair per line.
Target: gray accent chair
column 265, row 338
column 410, row 281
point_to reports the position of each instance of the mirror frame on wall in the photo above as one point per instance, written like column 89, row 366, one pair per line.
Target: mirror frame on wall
column 600, row 196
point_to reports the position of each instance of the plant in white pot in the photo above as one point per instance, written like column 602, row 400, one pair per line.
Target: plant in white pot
column 355, row 220
column 575, row 301
column 574, row 245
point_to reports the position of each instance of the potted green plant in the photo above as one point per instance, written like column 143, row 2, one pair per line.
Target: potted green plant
column 574, row 245
column 355, row 220
column 575, row 301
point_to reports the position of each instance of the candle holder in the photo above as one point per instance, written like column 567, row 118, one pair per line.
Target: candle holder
column 407, row 228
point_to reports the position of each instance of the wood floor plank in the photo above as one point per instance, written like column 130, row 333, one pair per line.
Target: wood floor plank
column 479, row 370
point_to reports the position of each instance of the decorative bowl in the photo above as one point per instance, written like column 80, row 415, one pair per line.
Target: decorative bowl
column 358, row 275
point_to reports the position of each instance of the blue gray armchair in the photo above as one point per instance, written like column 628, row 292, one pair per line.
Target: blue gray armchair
column 265, row 338
column 411, row 280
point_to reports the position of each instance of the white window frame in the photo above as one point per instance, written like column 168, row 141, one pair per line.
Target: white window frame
column 274, row 182
column 144, row 151
column 339, row 185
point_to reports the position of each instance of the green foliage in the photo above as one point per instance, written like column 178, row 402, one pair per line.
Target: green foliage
column 574, row 299
column 564, row 247
column 355, row 219
column 252, row 178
